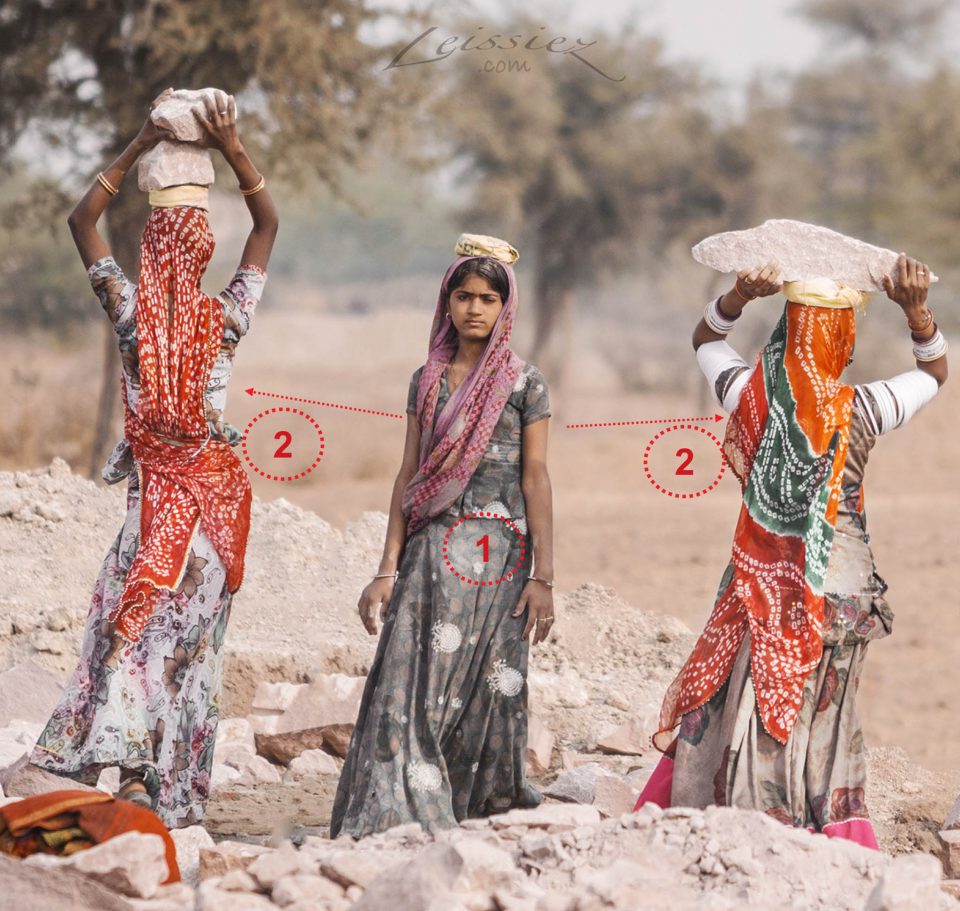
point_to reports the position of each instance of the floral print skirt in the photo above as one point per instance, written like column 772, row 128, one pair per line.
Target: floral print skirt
column 442, row 729
column 152, row 707
column 818, row 778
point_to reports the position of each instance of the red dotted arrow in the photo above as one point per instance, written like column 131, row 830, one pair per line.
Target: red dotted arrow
column 715, row 418
column 294, row 398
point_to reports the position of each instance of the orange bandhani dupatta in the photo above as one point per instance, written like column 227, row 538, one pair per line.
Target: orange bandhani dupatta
column 185, row 477
column 787, row 443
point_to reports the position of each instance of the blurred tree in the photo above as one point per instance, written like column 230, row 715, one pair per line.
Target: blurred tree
column 856, row 118
column 309, row 77
column 592, row 168
column 880, row 24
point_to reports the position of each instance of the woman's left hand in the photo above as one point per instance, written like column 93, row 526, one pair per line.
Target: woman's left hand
column 219, row 120
column 761, row 281
column 537, row 600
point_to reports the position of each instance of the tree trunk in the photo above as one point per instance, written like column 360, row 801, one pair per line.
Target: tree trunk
column 553, row 326
column 125, row 216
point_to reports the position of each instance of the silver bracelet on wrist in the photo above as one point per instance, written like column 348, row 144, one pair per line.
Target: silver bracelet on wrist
column 541, row 581
column 715, row 320
column 394, row 576
column 932, row 349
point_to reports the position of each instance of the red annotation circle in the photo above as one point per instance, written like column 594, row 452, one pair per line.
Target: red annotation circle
column 280, row 445
column 467, row 580
column 682, row 461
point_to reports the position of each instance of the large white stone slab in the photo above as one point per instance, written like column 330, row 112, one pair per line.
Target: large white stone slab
column 804, row 251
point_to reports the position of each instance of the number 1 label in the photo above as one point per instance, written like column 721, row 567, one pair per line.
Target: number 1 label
column 485, row 543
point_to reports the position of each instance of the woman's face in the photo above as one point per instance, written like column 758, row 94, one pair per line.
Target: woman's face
column 474, row 307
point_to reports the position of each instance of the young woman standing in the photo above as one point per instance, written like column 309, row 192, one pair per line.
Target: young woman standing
column 442, row 728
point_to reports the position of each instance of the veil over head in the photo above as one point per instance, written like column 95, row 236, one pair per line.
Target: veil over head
column 453, row 441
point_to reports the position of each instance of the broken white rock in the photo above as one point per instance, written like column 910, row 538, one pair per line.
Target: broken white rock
column 911, row 883
column 177, row 113
column 222, row 777
column 188, row 842
column 595, row 786
column 556, row 816
column 253, row 769
column 803, row 251
column 269, row 868
column 211, row 898
column 311, row 764
column 486, row 866
column 133, row 863
column 28, row 692
column 234, row 732
column 304, row 889
column 173, row 164
column 540, row 740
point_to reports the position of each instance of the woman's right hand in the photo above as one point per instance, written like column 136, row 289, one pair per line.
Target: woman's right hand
column 219, row 121
column 150, row 134
column 374, row 601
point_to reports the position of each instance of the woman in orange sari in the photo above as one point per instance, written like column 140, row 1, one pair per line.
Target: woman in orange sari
column 765, row 704
column 145, row 694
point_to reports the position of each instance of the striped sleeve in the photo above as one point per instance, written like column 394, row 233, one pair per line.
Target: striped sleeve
column 888, row 404
column 726, row 372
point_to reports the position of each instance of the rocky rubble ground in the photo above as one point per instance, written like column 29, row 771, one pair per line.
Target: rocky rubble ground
column 297, row 661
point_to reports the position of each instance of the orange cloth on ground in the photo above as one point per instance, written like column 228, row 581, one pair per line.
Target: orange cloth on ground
column 99, row 815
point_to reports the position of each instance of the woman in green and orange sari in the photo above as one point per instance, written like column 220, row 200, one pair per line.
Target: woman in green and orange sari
column 765, row 703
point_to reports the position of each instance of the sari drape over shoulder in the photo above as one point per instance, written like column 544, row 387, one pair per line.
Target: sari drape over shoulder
column 185, row 476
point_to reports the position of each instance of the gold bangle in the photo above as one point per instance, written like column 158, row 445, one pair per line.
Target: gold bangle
column 261, row 183
column 109, row 187
column 740, row 294
column 923, row 325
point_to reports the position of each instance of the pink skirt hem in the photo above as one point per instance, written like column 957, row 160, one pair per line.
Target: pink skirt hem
column 660, row 784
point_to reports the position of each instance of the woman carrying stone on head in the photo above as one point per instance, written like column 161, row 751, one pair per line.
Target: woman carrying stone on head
column 765, row 704
column 145, row 694
column 442, row 729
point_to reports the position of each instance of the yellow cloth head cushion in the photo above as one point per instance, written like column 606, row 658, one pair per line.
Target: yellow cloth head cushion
column 825, row 292
column 482, row 245
column 187, row 194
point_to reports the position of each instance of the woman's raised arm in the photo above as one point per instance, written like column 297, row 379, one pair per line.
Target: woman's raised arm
column 750, row 284
column 220, row 122
column 85, row 215
column 909, row 291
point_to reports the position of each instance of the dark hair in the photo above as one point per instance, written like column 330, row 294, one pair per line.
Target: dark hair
column 486, row 267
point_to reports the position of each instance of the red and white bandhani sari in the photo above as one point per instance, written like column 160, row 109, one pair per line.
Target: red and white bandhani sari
column 186, row 478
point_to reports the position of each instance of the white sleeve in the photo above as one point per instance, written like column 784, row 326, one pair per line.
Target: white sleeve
column 888, row 404
column 726, row 372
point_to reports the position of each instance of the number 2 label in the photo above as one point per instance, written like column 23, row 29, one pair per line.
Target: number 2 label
column 287, row 438
column 686, row 455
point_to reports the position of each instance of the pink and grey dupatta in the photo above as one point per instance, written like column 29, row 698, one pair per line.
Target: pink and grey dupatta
column 451, row 447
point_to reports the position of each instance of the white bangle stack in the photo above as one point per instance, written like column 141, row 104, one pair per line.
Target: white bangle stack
column 932, row 349
column 715, row 319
